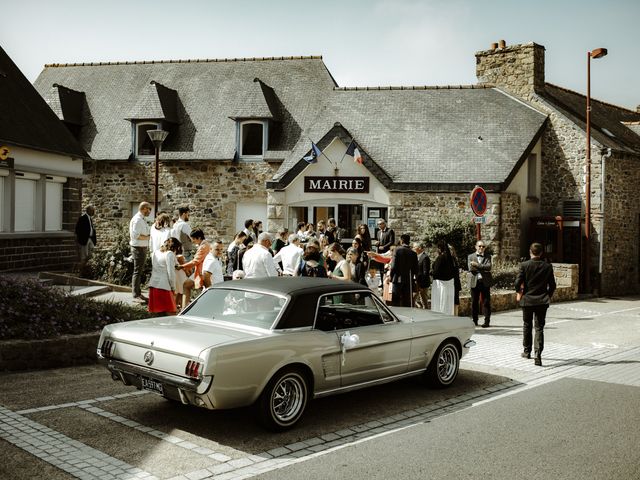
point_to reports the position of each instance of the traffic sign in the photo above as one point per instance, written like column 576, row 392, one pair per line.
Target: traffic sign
column 479, row 201
column 479, row 219
column 4, row 152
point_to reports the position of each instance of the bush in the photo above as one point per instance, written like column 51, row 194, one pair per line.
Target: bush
column 504, row 274
column 114, row 265
column 30, row 310
column 456, row 230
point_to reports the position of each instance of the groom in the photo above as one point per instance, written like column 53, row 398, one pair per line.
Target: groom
column 479, row 282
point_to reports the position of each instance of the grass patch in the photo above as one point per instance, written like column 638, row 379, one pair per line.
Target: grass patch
column 30, row 310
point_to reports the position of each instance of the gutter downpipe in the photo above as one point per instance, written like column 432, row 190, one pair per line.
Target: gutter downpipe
column 604, row 154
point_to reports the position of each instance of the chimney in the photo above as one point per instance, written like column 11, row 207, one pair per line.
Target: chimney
column 518, row 69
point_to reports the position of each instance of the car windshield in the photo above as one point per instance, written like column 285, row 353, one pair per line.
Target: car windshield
column 251, row 309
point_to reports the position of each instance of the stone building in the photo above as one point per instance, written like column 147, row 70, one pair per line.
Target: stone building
column 240, row 129
column 40, row 176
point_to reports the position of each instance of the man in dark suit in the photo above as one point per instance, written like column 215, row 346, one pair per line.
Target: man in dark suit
column 386, row 238
column 480, row 281
column 537, row 283
column 423, row 278
column 403, row 269
column 86, row 235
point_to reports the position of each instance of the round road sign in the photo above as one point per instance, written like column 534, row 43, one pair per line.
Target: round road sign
column 479, row 201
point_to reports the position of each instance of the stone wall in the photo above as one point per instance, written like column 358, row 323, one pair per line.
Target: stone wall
column 211, row 189
column 567, row 280
column 410, row 213
column 621, row 226
column 517, row 68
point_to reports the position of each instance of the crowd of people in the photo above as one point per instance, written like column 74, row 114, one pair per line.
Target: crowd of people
column 400, row 272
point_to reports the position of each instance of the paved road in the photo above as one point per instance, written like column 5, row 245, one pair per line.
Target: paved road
column 578, row 412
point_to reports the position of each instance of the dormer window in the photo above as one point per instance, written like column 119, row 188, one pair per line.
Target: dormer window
column 252, row 138
column 144, row 146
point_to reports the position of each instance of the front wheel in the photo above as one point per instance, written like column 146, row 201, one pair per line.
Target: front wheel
column 443, row 369
column 283, row 401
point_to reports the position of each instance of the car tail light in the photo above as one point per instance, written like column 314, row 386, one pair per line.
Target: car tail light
column 192, row 369
column 107, row 348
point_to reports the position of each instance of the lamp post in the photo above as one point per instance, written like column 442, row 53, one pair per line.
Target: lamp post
column 597, row 53
column 157, row 137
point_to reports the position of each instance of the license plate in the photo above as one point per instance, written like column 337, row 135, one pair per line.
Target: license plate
column 152, row 385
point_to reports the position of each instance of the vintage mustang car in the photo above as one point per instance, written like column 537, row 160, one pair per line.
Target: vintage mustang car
column 275, row 343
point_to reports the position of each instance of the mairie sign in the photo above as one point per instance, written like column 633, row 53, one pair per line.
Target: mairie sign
column 336, row 184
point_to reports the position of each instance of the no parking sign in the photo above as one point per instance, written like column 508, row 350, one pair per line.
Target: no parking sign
column 478, row 201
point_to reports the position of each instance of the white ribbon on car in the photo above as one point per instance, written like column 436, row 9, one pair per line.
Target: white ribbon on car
column 348, row 341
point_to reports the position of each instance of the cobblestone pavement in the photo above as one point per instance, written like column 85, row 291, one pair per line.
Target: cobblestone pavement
column 497, row 352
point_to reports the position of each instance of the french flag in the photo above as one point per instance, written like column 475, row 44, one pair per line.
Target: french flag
column 353, row 151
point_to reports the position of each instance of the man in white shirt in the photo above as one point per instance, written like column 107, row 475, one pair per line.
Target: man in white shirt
column 257, row 262
column 212, row 266
column 290, row 256
column 182, row 231
column 139, row 235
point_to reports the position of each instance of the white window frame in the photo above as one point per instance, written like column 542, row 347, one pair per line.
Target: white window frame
column 265, row 138
column 29, row 210
column 136, row 136
column 54, row 200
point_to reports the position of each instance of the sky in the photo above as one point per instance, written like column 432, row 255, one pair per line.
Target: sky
column 362, row 42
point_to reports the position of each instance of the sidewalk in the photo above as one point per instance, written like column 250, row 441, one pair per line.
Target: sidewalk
column 596, row 338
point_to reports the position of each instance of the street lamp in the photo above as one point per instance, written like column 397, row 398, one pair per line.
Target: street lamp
column 597, row 53
column 157, row 137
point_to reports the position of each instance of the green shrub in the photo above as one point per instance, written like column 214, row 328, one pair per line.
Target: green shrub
column 504, row 274
column 30, row 310
column 457, row 230
column 114, row 265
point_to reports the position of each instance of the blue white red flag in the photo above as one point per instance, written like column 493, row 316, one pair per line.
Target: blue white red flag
column 313, row 155
column 353, row 151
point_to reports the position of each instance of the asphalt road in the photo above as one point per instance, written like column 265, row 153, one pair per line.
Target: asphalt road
column 576, row 417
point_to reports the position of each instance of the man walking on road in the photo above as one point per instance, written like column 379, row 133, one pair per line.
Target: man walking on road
column 537, row 284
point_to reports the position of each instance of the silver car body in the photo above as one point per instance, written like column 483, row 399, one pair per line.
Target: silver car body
column 236, row 362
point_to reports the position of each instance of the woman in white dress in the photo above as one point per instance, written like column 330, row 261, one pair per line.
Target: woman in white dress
column 162, row 284
column 443, row 288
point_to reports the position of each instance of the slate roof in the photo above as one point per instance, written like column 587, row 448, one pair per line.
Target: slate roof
column 208, row 92
column 26, row 119
column 428, row 138
column 156, row 102
column 67, row 104
column 607, row 121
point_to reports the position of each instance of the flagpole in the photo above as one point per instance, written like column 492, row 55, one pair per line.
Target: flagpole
column 321, row 152
column 345, row 152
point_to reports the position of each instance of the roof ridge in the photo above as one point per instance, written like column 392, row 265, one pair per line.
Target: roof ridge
column 205, row 60
column 592, row 99
column 416, row 87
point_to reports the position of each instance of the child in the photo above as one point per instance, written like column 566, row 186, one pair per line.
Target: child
column 372, row 278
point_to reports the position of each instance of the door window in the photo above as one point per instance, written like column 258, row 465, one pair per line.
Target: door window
column 347, row 310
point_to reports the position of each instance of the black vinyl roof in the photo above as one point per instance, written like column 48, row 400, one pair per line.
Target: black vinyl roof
column 291, row 285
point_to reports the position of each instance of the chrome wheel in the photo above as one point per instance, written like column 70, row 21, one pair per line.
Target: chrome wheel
column 443, row 369
column 447, row 366
column 288, row 397
column 283, row 401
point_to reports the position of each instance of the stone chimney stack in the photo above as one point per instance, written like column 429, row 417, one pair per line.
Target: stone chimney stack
column 518, row 69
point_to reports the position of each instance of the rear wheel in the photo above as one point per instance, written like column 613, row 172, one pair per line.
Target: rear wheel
column 283, row 400
column 443, row 369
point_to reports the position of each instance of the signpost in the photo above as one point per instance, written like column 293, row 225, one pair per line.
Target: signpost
column 478, row 202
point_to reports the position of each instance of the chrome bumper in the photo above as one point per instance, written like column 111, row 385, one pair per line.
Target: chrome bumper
column 121, row 369
column 469, row 344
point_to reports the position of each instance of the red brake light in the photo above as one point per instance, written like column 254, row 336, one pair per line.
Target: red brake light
column 192, row 369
